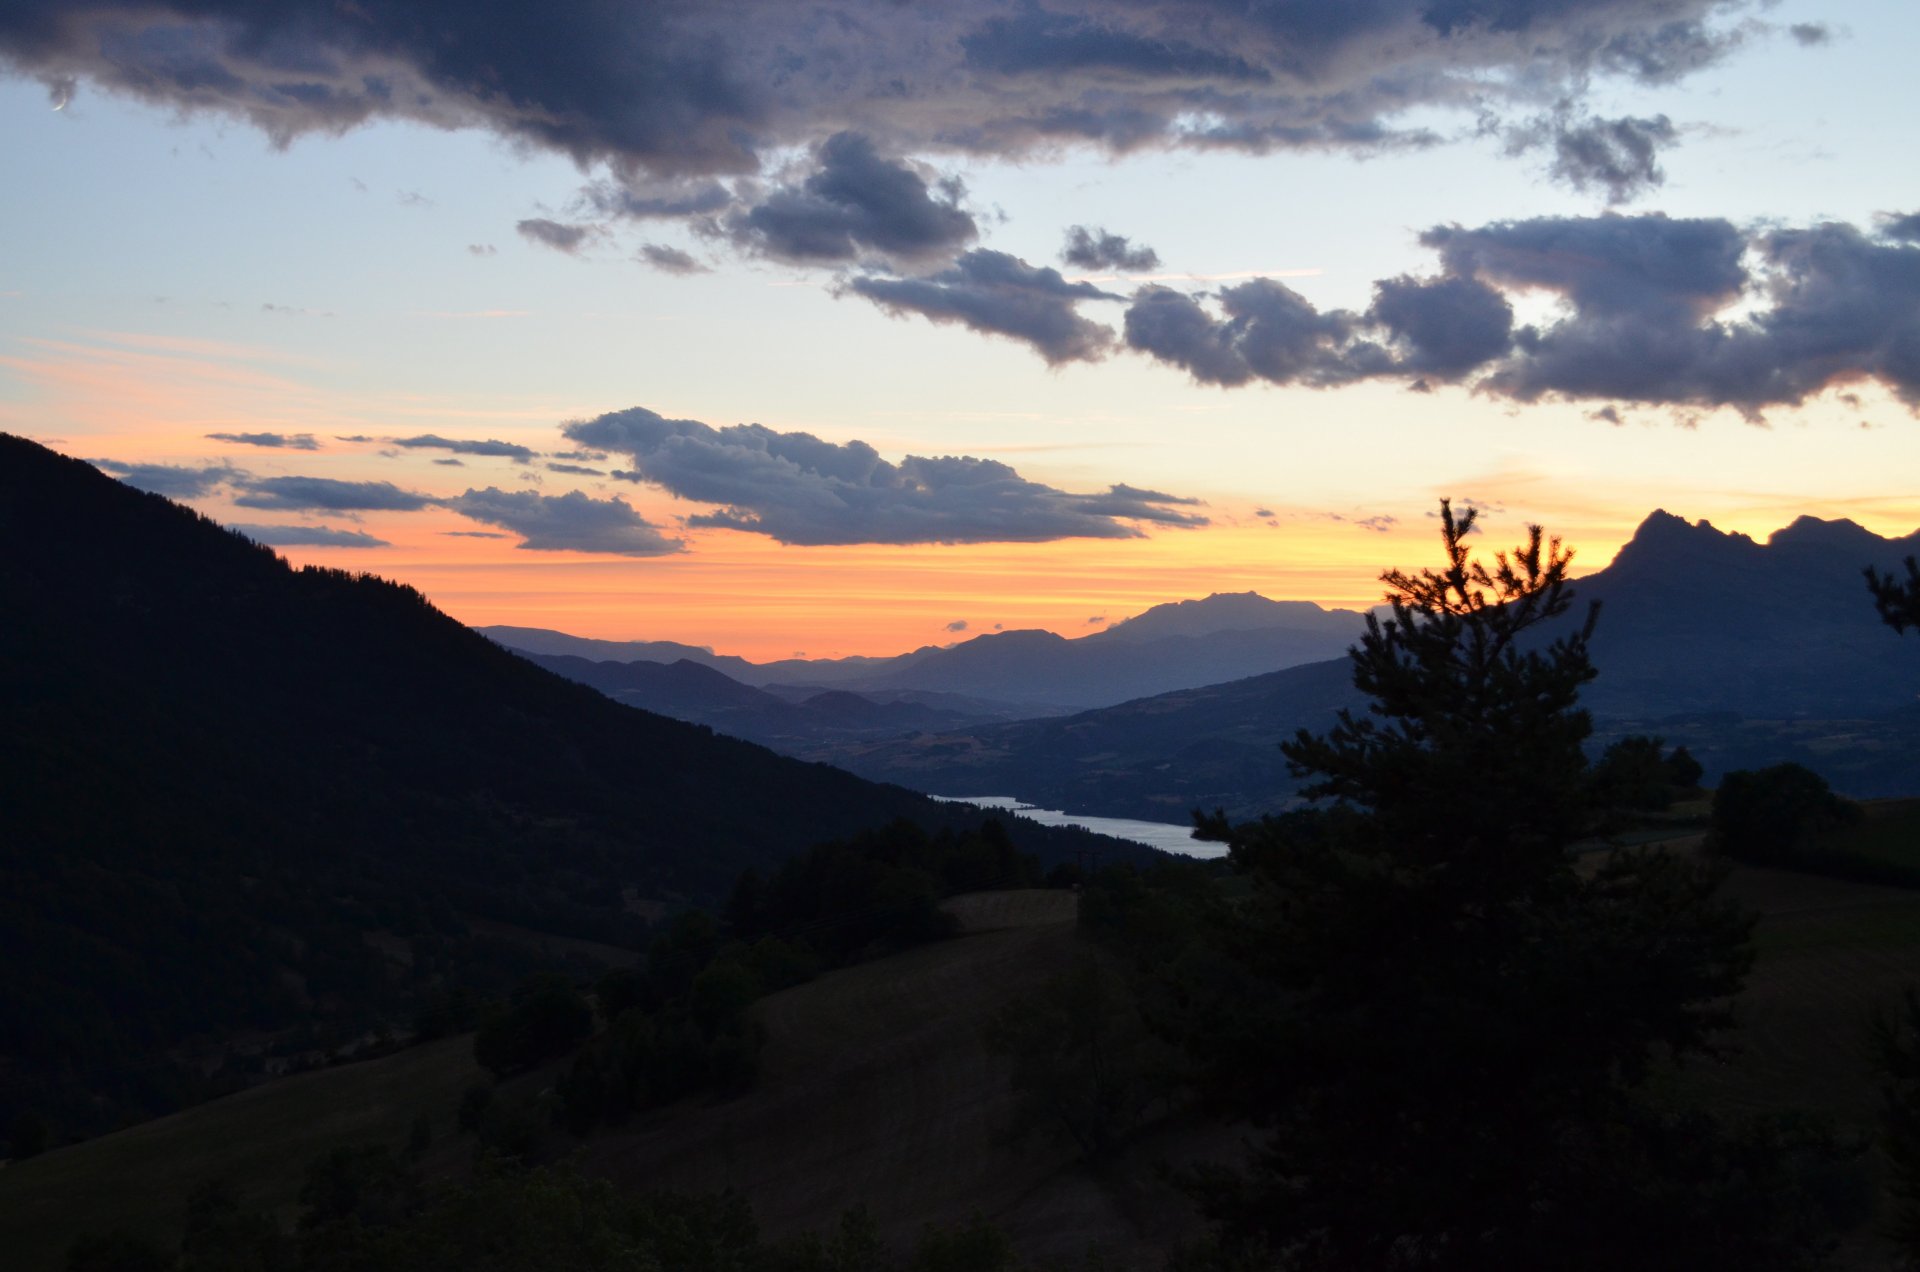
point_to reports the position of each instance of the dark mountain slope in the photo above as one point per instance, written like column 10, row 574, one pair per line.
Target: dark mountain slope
column 673, row 689
column 701, row 694
column 1697, row 620
column 243, row 797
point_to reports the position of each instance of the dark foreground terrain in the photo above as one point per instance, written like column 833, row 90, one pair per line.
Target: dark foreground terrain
column 877, row 1090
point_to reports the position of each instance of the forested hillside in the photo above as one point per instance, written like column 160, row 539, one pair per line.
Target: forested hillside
column 247, row 800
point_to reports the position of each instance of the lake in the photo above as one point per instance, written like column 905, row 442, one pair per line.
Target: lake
column 1166, row 836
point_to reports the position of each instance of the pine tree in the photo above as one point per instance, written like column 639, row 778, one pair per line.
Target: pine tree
column 1445, row 1023
column 1897, row 601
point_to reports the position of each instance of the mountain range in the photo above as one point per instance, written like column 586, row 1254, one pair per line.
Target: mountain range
column 1749, row 653
column 1179, row 645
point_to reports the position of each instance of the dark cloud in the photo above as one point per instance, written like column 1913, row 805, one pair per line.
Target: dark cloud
column 1269, row 332
column 1096, row 249
column 999, row 294
column 1124, row 501
column 1906, row 228
column 1620, row 157
column 475, row 534
column 282, row 441
column 1038, row 42
column 451, row 462
column 1641, row 293
column 462, row 446
column 1808, row 34
column 577, row 470
column 308, row 536
column 663, row 96
column 572, row 522
column 798, row 489
column 1448, row 325
column 855, row 204
column 1379, row 524
column 327, row 494
column 1263, row 512
column 1606, row 264
column 1683, row 313
column 669, row 260
column 957, row 625
column 558, row 235
column 175, row 481
column 1656, row 52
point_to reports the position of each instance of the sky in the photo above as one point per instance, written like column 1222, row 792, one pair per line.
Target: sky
column 851, row 326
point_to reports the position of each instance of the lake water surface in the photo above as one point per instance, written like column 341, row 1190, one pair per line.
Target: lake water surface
column 1166, row 836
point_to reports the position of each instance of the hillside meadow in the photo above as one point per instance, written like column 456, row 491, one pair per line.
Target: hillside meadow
column 877, row 1090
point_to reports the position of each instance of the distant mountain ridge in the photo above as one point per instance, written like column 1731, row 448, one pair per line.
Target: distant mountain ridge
column 1227, row 612
column 1177, row 645
column 699, row 694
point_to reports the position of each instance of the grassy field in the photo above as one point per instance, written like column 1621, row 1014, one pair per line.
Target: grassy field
column 1889, row 831
column 1830, row 954
column 877, row 1091
column 259, row 1141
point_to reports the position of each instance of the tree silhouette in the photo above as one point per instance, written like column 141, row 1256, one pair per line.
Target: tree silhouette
column 1897, row 601
column 1445, row 1025
column 1897, row 1036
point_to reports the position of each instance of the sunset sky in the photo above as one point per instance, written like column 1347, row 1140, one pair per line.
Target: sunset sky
column 850, row 326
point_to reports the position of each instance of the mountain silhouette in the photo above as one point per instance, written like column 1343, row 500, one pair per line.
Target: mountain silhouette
column 1179, row 645
column 240, row 796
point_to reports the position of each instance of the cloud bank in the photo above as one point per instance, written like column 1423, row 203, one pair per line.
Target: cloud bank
column 797, row 489
column 666, row 95
column 1694, row 313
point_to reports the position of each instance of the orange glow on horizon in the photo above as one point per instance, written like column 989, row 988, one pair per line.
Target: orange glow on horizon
column 739, row 594
column 155, row 399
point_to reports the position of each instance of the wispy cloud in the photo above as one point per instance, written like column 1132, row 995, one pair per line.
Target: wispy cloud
column 328, row 494
column 280, row 536
column 271, row 441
